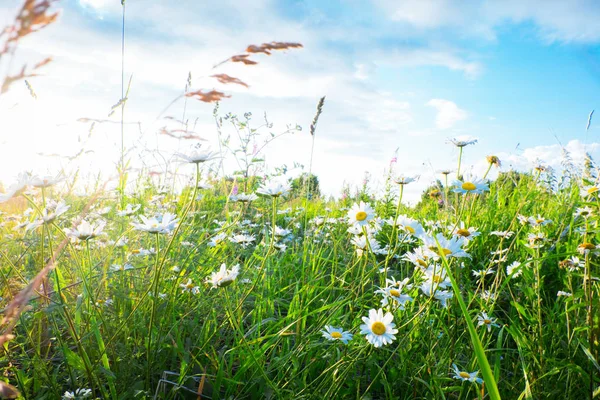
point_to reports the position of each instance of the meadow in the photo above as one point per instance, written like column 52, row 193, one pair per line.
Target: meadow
column 247, row 284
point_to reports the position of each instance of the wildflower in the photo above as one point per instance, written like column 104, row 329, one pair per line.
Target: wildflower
column 484, row 320
column 450, row 247
column 243, row 198
column 118, row 267
column 539, row 221
column 445, row 172
column 502, row 234
column 45, row 181
column 443, row 296
column 563, row 294
column 394, row 293
column 198, row 157
column 435, row 277
column 217, row 239
column 470, row 186
column 466, row 376
column 16, row 188
column 281, row 232
column 590, row 191
column 364, row 243
column 494, row 160
column 483, row 272
column 404, row 180
column 332, row 333
column 159, row 224
column 243, row 240
column 408, row 225
column 189, row 287
column 274, row 188
column 462, row 141
column 514, row 270
column 419, row 257
column 466, row 233
column 77, row 394
column 85, row 230
column 224, row 277
column 48, row 216
column 360, row 214
column 129, row 210
column 586, row 247
column 584, row 212
column 536, row 240
column 379, row 329
column 573, row 264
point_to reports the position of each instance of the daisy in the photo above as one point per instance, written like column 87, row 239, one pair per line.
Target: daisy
column 217, row 239
column 470, row 186
column 393, row 293
column 514, row 270
column 159, row 224
column 466, row 376
column 360, row 214
column 420, row 257
column 494, row 160
column 332, row 333
column 16, row 188
column 443, row 296
column 502, row 234
column 224, row 277
column 484, row 320
column 404, row 180
column 379, row 329
column 585, row 248
column 584, row 212
column 118, row 267
column 435, row 277
column 197, row 157
column 281, row 232
column 406, row 224
column 189, row 287
column 450, row 247
column 563, row 294
column 45, row 181
column 85, row 230
column 483, row 272
column 466, row 233
column 536, row 240
column 364, row 243
column 590, row 191
column 243, row 240
column 538, row 221
column 243, row 198
column 274, row 188
column 130, row 209
column 462, row 141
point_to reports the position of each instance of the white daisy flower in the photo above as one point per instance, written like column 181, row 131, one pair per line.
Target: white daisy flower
column 274, row 188
column 197, row 157
column 378, row 328
column 462, row 140
column 189, row 286
column 85, row 230
column 484, row 320
column 514, row 270
column 466, row 376
column 332, row 333
column 159, row 224
column 243, row 198
column 561, row 293
column 224, row 277
column 470, row 186
column 360, row 214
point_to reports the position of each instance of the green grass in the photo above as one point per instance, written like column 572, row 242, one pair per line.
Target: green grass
column 136, row 333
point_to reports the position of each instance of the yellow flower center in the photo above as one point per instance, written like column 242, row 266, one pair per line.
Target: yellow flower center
column 487, row 321
column 378, row 328
column 587, row 246
column 422, row 263
column 539, row 221
column 437, row 278
column 395, row 293
column 464, row 375
column 135, row 251
column 468, row 186
column 445, row 251
column 592, row 190
column 361, row 216
column 336, row 335
column 189, row 285
column 410, row 229
column 463, row 232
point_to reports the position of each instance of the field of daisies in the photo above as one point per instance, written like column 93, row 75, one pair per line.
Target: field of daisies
column 248, row 289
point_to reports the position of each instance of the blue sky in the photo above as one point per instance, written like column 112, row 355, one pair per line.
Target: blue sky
column 397, row 74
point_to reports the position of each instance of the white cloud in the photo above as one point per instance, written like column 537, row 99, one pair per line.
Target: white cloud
column 448, row 113
column 555, row 20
